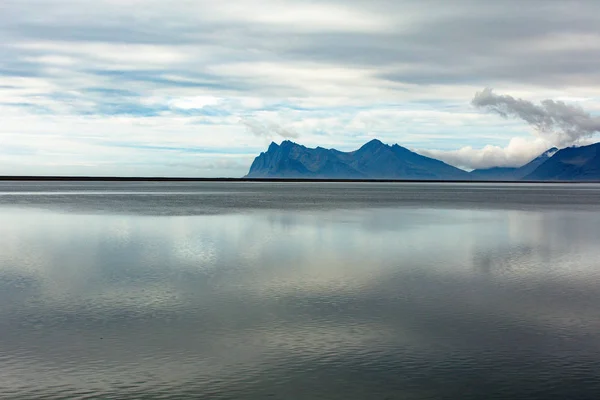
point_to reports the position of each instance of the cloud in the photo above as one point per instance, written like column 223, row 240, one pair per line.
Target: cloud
column 268, row 129
column 518, row 152
column 557, row 122
column 334, row 72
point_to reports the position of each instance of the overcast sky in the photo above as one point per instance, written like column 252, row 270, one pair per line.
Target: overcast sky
column 198, row 88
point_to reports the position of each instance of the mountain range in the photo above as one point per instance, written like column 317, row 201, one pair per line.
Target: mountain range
column 570, row 164
column 512, row 174
column 376, row 160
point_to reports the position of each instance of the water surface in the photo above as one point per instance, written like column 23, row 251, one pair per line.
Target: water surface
column 299, row 291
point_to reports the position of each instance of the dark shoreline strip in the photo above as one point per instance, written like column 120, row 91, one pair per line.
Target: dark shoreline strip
column 299, row 180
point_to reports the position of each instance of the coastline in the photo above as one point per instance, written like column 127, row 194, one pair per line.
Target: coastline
column 291, row 180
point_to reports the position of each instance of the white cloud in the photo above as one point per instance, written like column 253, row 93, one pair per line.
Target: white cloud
column 193, row 102
column 333, row 73
column 518, row 152
column 301, row 16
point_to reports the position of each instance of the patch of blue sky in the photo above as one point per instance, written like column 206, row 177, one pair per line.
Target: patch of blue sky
column 20, row 72
column 34, row 108
column 179, row 149
column 288, row 106
column 14, row 150
column 110, row 91
column 207, row 111
column 128, row 109
column 166, row 78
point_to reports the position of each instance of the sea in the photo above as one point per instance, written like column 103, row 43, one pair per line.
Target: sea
column 291, row 290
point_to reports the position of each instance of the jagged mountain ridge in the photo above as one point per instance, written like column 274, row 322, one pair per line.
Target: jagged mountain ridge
column 570, row 164
column 374, row 160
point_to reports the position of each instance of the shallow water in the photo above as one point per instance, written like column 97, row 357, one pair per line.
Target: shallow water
column 299, row 291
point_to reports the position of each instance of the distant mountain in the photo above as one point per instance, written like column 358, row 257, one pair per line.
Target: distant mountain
column 374, row 160
column 570, row 164
column 531, row 166
column 512, row 174
column 493, row 174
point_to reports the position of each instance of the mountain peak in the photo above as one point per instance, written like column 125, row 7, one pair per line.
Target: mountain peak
column 373, row 144
column 374, row 160
column 273, row 146
column 288, row 143
column 570, row 164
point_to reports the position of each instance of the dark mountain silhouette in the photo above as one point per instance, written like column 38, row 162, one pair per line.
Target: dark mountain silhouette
column 570, row 164
column 512, row 174
column 374, row 160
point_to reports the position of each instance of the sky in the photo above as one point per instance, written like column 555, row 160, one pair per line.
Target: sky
column 199, row 88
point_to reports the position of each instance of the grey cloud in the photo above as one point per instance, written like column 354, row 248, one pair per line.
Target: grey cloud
column 533, row 43
column 556, row 123
column 478, row 44
column 466, row 42
column 219, row 163
column 560, row 123
column 268, row 129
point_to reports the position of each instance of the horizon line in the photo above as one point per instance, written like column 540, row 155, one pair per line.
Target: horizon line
column 75, row 178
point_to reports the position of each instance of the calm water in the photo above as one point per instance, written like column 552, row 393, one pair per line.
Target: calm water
column 299, row 291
